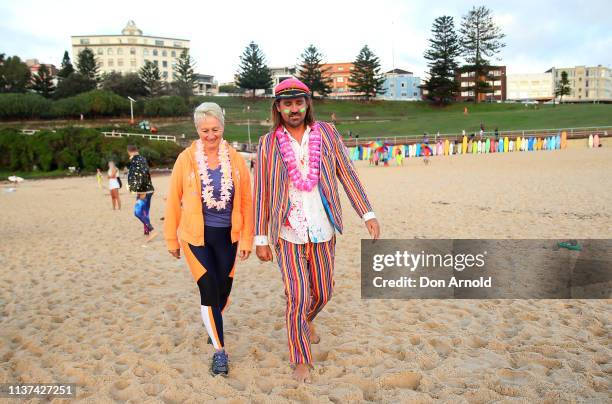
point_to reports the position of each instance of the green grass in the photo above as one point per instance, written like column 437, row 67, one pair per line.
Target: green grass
column 395, row 118
column 389, row 118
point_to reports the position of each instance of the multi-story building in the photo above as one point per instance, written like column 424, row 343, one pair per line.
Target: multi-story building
column 496, row 80
column 127, row 52
column 339, row 74
column 34, row 65
column 205, row 85
column 281, row 73
column 530, row 87
column 401, row 85
column 588, row 84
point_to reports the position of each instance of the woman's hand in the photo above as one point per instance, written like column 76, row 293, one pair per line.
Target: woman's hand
column 175, row 253
column 264, row 252
column 244, row 254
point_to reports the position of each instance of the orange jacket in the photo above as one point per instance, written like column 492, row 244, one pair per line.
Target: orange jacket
column 184, row 204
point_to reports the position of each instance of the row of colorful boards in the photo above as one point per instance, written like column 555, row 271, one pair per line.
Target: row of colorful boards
column 466, row 146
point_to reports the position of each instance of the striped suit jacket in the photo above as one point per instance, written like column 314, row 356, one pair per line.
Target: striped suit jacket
column 271, row 193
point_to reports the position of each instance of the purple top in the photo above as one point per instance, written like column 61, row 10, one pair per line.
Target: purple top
column 214, row 217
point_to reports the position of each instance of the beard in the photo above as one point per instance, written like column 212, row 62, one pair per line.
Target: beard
column 293, row 122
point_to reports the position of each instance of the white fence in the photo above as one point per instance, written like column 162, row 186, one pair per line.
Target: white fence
column 166, row 138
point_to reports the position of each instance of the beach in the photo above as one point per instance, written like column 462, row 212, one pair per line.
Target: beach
column 84, row 300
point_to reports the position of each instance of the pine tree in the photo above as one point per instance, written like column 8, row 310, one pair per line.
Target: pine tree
column 43, row 83
column 366, row 77
column 444, row 50
column 563, row 87
column 15, row 76
column 67, row 68
column 253, row 74
column 150, row 76
column 311, row 73
column 184, row 76
column 480, row 39
column 87, row 65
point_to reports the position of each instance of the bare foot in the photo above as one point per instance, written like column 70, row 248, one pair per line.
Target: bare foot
column 301, row 373
column 151, row 236
column 314, row 337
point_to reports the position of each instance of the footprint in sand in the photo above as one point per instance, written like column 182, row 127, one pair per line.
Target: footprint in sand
column 403, row 380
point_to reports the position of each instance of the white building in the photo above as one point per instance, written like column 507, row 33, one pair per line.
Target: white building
column 530, row 87
column 128, row 51
column 281, row 73
column 588, row 84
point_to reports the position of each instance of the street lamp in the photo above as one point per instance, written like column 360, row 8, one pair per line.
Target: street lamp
column 132, row 101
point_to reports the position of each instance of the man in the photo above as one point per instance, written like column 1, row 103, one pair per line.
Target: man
column 139, row 181
column 297, row 210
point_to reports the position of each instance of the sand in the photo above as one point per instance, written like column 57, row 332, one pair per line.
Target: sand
column 83, row 300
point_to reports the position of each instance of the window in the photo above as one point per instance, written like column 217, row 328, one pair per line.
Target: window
column 100, row 51
column 133, row 62
column 164, row 53
column 119, row 51
column 109, row 51
column 155, row 52
column 403, row 85
column 111, row 63
column 101, row 63
column 84, row 41
column 498, row 83
column 119, row 62
column 391, row 85
column 177, row 44
column 145, row 52
column 464, row 93
column 464, row 84
column 340, row 68
column 159, row 43
column 404, row 94
column 497, row 92
column 586, row 83
column 165, row 75
column 156, row 63
column 415, row 94
column 586, row 94
column 132, row 51
column 164, row 64
column 173, row 54
column 340, row 80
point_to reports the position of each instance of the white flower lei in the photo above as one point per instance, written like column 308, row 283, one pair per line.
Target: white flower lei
column 226, row 176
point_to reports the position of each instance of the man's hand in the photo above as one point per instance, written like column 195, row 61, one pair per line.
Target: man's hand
column 264, row 252
column 373, row 228
column 175, row 253
column 244, row 254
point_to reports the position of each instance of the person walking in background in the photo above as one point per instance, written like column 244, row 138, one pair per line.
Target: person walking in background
column 209, row 214
column 139, row 182
column 99, row 177
column 113, row 184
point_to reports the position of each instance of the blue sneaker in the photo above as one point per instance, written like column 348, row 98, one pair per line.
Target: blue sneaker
column 220, row 364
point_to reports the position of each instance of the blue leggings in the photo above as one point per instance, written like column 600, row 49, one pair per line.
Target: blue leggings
column 141, row 211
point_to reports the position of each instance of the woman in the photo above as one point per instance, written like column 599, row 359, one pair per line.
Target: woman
column 113, row 185
column 209, row 204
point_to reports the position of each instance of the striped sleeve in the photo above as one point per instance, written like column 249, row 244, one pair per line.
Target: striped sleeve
column 261, row 197
column 345, row 170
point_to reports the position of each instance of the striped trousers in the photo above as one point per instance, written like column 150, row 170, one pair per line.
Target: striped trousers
column 307, row 271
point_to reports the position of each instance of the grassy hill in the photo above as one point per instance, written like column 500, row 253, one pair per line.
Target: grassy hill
column 396, row 118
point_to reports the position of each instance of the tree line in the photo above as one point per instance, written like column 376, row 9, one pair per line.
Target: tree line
column 15, row 77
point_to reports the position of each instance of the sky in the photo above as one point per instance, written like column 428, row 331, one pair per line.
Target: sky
column 540, row 34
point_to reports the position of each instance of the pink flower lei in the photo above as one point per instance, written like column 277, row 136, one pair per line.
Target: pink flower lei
column 226, row 176
column 314, row 158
